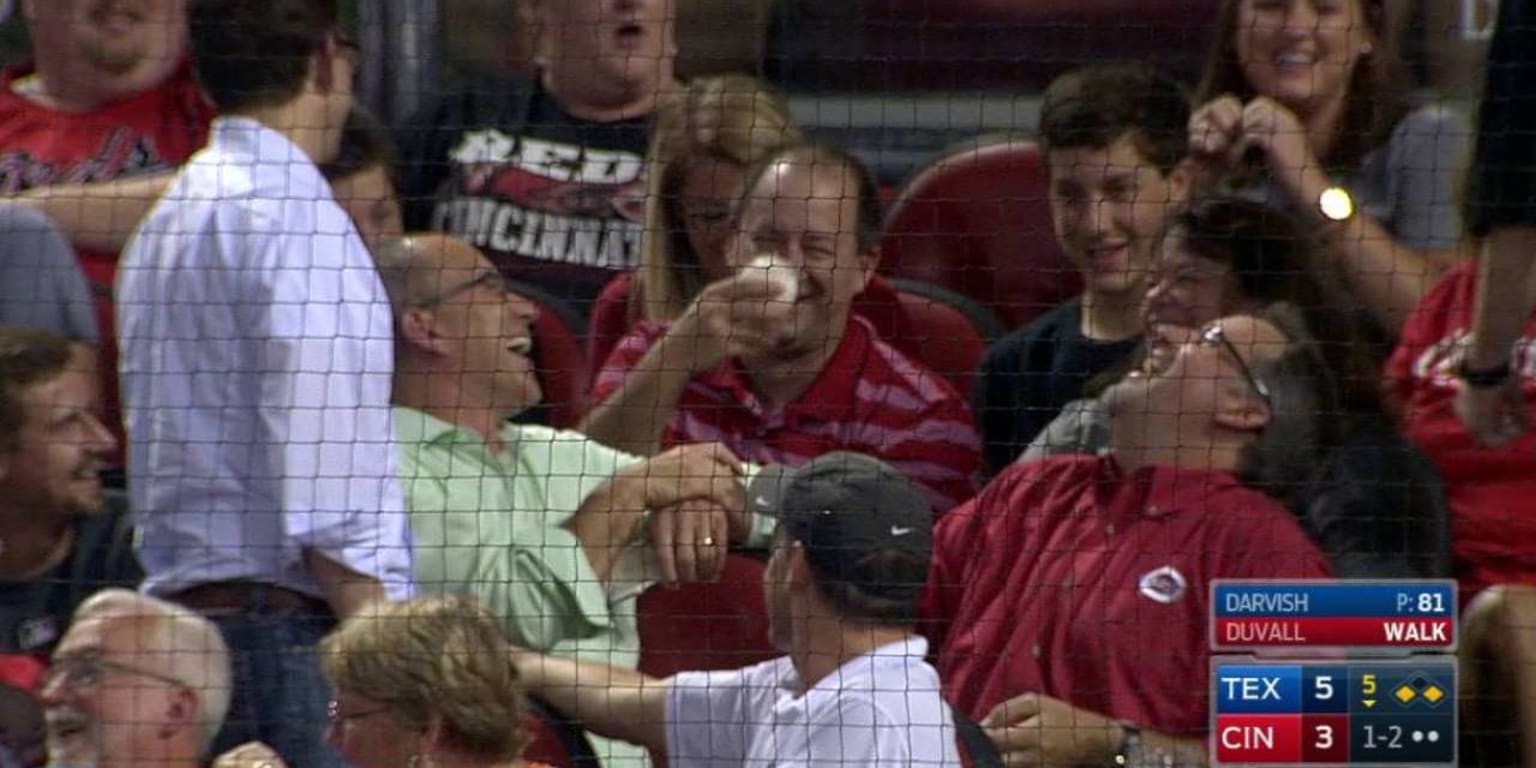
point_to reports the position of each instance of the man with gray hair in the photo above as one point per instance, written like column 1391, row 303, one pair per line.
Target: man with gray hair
column 137, row 681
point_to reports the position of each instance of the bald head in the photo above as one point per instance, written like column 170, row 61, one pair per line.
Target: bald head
column 419, row 268
column 795, row 169
column 461, row 335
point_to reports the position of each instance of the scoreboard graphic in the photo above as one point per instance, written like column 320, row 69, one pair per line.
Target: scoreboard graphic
column 1384, row 713
column 1381, row 690
column 1417, row 615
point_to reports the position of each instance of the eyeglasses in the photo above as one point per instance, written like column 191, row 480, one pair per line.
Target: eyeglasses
column 493, row 280
column 336, row 718
column 1214, row 336
column 86, row 672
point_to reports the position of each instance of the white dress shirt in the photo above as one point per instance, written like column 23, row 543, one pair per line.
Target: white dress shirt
column 257, row 357
column 881, row 709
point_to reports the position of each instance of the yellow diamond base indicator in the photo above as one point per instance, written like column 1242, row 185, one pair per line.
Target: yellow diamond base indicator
column 1433, row 694
column 1405, row 694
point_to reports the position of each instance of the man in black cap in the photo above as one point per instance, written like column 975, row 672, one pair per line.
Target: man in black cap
column 850, row 559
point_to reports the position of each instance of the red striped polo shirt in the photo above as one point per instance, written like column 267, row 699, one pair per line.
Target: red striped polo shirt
column 869, row 398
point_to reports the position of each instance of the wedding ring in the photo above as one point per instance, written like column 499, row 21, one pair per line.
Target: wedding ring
column 709, row 541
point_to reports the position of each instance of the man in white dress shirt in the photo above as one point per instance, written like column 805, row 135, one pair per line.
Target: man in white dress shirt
column 850, row 558
column 256, row 360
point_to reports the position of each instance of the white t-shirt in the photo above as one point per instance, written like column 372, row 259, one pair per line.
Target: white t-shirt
column 881, row 709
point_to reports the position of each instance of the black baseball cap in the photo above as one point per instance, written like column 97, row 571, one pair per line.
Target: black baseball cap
column 843, row 507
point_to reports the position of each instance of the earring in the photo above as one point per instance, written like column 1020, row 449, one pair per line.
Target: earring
column 1366, row 49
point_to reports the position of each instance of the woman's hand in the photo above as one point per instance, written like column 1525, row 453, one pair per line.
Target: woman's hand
column 1276, row 131
column 1225, row 132
column 1215, row 129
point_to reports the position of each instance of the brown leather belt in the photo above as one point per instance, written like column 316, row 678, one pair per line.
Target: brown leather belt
column 232, row 598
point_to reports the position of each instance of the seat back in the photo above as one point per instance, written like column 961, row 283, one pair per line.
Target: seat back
column 977, row 222
column 559, row 357
column 946, row 332
column 720, row 625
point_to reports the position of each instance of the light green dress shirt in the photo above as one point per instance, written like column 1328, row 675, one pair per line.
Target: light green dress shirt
column 491, row 526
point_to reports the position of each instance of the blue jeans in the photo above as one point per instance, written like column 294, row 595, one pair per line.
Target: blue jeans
column 279, row 694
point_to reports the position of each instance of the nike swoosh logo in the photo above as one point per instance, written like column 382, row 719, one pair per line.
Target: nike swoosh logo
column 897, row 530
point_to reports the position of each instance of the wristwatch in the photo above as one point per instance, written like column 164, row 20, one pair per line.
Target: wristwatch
column 1130, row 745
column 1336, row 204
column 1486, row 378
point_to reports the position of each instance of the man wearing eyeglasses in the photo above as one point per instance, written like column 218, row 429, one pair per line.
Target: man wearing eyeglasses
column 257, row 363
column 1068, row 601
column 137, row 681
column 555, row 532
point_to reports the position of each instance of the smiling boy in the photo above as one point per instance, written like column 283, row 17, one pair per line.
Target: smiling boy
column 1114, row 137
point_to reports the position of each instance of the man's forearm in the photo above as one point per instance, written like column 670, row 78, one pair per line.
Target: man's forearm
column 611, row 701
column 346, row 590
column 1160, row 749
column 635, row 417
column 102, row 215
column 605, row 524
column 1506, row 295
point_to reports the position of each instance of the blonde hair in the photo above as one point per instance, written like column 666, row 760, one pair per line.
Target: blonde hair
column 444, row 658
column 733, row 118
column 185, row 646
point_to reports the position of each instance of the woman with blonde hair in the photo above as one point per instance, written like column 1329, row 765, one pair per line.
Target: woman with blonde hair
column 705, row 137
column 426, row 683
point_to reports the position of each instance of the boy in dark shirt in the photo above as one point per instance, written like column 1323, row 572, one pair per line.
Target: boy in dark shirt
column 1114, row 137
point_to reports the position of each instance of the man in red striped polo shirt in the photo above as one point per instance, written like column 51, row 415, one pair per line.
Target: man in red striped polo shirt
column 772, row 363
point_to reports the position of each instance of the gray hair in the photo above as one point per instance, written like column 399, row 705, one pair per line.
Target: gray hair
column 188, row 646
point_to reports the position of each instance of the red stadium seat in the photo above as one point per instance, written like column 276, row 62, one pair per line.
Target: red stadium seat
column 560, row 357
column 723, row 625
column 954, row 335
column 977, row 222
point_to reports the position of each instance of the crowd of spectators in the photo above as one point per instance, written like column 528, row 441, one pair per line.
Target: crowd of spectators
column 276, row 487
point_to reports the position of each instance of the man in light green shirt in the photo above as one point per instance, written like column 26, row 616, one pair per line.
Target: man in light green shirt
column 557, row 533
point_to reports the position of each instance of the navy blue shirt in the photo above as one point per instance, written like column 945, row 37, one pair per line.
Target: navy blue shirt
column 1029, row 375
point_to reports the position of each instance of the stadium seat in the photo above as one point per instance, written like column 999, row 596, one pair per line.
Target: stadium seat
column 977, row 222
column 939, row 328
column 555, row 740
column 559, row 356
column 721, row 625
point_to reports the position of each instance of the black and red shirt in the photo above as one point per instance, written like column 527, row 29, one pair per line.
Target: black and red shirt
column 552, row 199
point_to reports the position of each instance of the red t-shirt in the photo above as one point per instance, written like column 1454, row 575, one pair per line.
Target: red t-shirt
column 869, row 398
column 153, row 130
column 1068, row 578
column 1492, row 491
